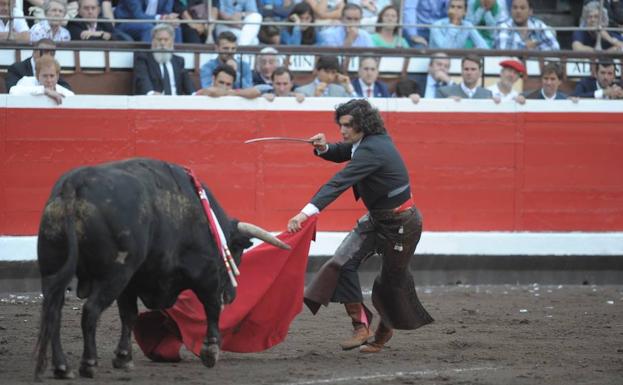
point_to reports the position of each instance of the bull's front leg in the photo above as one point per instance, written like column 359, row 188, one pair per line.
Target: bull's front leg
column 211, row 348
column 128, row 312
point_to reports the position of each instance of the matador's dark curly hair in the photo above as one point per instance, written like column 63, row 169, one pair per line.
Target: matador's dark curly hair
column 365, row 117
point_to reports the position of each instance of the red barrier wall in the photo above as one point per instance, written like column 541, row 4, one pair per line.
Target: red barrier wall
column 525, row 171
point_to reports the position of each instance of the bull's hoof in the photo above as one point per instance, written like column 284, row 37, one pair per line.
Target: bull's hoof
column 209, row 355
column 123, row 360
column 87, row 368
column 62, row 372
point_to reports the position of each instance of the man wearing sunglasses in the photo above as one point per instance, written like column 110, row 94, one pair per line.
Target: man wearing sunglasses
column 27, row 67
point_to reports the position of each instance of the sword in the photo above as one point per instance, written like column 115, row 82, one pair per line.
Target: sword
column 278, row 138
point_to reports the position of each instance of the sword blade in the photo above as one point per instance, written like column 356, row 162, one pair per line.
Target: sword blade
column 278, row 138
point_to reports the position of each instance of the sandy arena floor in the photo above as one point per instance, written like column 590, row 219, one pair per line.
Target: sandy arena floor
column 500, row 334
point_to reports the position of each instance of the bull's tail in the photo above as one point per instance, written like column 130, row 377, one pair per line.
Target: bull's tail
column 53, row 286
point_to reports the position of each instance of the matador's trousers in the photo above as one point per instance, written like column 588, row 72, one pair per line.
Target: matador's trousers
column 394, row 236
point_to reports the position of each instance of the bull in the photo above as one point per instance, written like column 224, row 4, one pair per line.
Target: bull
column 127, row 230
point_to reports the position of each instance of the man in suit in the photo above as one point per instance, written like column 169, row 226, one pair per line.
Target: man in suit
column 551, row 78
column 471, row 71
column 145, row 9
column 89, row 30
column 438, row 75
column 392, row 227
column 367, row 84
column 161, row 73
column 27, row 67
column 328, row 81
column 602, row 86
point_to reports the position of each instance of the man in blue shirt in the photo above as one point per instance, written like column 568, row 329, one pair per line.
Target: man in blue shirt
column 421, row 12
column 522, row 31
column 226, row 47
column 349, row 34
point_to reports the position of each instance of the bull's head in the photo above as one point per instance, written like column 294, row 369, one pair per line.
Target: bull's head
column 241, row 240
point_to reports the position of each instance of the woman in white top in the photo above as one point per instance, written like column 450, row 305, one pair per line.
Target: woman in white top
column 47, row 71
column 51, row 29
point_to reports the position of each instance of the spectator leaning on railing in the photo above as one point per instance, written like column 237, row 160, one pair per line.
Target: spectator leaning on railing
column 282, row 85
column 51, row 28
column 12, row 24
column 387, row 36
column 471, row 71
column 438, row 75
column 45, row 82
column 226, row 47
column 328, row 81
column 523, row 31
column 503, row 90
column 454, row 32
column 595, row 16
column 551, row 79
column 16, row 71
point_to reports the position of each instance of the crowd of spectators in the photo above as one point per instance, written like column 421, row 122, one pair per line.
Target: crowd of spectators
column 440, row 24
column 444, row 24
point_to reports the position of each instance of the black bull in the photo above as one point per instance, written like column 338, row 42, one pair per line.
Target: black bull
column 131, row 229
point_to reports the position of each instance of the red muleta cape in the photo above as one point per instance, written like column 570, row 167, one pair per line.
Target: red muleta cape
column 269, row 296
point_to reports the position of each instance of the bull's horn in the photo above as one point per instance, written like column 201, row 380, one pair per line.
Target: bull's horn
column 257, row 232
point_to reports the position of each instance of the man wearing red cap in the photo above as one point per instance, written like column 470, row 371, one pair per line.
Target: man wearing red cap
column 510, row 73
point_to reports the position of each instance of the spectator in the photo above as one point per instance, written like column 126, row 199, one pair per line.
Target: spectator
column 371, row 11
column 438, row 75
column 245, row 12
column 89, row 30
column 368, row 85
column 200, row 31
column 26, row 67
column 328, row 81
column 326, row 11
column 302, row 32
column 161, row 72
column 614, row 10
column 282, row 85
column 603, row 85
column 421, row 12
column 387, row 36
column 269, row 34
column 510, row 73
column 349, row 34
column 486, row 13
column 595, row 16
column 471, row 71
column 226, row 47
column 522, row 31
column 265, row 64
column 275, row 9
column 149, row 10
column 51, row 28
column 408, row 88
column 45, row 83
column 454, row 32
column 12, row 26
column 222, row 83
column 551, row 78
